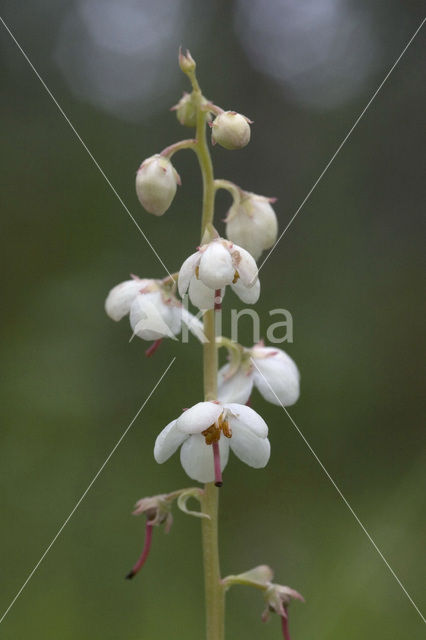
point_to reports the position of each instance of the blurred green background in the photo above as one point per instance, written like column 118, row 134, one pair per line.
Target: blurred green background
column 347, row 269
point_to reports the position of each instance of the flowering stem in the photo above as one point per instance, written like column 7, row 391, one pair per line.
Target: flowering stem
column 214, row 590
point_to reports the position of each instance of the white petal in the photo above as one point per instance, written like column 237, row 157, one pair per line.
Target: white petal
column 249, row 295
column 187, row 271
column 119, row 299
column 200, row 295
column 243, row 415
column 167, row 442
column 277, row 377
column 240, row 229
column 216, row 269
column 237, row 388
column 249, row 448
column 151, row 318
column 245, row 265
column 199, row 417
column 172, row 315
column 197, row 457
column 194, row 325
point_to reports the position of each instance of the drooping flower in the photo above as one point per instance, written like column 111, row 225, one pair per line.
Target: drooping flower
column 252, row 223
column 156, row 181
column 213, row 266
column 154, row 310
column 231, row 130
column 277, row 597
column 271, row 370
column 207, row 431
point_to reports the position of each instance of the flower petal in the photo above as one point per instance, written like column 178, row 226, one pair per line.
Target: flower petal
column 249, row 295
column 236, row 388
column 167, row 442
column 276, row 376
column 245, row 265
column 243, row 415
column 199, row 417
column 151, row 318
column 216, row 268
column 200, row 295
column 197, row 457
column 186, row 272
column 248, row 447
column 119, row 299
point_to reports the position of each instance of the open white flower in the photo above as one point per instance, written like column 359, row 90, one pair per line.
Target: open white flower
column 271, row 370
column 215, row 265
column 154, row 310
column 207, row 431
column 252, row 224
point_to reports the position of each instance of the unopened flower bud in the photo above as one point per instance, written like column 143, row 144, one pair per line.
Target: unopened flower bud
column 252, row 224
column 156, row 182
column 231, row 130
column 186, row 62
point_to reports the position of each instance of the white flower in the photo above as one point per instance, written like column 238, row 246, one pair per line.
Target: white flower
column 271, row 370
column 156, row 182
column 154, row 310
column 252, row 224
column 207, row 431
column 215, row 265
column 231, row 130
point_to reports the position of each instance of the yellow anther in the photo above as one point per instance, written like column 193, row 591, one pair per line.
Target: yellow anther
column 212, row 434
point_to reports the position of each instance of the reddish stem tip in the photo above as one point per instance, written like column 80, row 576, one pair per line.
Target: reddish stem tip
column 216, row 461
column 153, row 348
column 286, row 632
column 145, row 552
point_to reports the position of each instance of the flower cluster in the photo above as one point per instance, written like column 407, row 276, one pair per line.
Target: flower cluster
column 207, row 432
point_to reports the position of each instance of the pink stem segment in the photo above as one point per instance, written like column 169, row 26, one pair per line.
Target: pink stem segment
column 286, row 632
column 217, row 300
column 153, row 348
column 217, row 470
column 145, row 552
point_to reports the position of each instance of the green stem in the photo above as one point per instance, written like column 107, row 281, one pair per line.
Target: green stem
column 214, row 590
column 235, row 191
column 169, row 151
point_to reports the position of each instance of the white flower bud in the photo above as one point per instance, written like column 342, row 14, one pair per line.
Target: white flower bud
column 231, row 130
column 252, row 224
column 156, row 182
